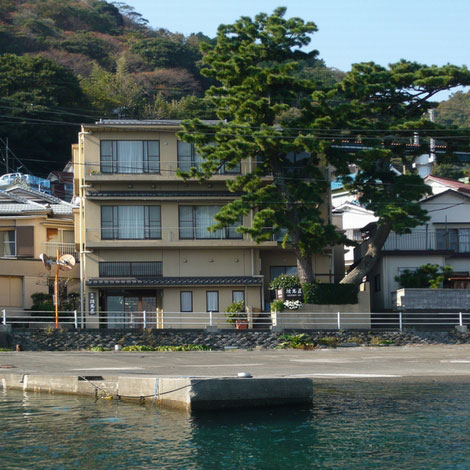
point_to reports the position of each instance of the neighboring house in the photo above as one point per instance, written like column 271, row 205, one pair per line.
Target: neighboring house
column 142, row 230
column 354, row 217
column 440, row 184
column 31, row 223
column 62, row 182
column 444, row 240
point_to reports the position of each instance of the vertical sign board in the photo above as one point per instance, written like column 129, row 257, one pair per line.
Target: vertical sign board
column 92, row 303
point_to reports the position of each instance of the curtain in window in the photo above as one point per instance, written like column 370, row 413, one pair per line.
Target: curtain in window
column 238, row 295
column 464, row 240
column 186, row 301
column 186, row 222
column 7, row 243
column 107, row 156
column 213, row 301
column 129, row 156
column 205, row 219
column 131, row 222
column 184, row 156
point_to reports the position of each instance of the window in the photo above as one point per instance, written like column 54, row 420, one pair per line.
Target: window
column 212, row 300
column 276, row 271
column 186, row 301
column 130, row 269
column 447, row 239
column 130, row 222
column 130, row 156
column 189, row 158
column 238, row 295
column 7, row 243
column 194, row 222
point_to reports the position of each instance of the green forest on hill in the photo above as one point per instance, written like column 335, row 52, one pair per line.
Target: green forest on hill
column 65, row 62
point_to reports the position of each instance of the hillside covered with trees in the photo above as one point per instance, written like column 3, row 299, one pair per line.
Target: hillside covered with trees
column 64, row 62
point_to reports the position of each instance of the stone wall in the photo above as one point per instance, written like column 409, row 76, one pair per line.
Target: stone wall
column 432, row 300
column 74, row 340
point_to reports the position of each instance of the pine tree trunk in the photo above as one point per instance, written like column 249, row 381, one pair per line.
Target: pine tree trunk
column 367, row 263
column 305, row 269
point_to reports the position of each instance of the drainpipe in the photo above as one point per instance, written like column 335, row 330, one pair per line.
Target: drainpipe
column 81, row 180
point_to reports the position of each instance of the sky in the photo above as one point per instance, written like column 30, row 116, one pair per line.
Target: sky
column 350, row 31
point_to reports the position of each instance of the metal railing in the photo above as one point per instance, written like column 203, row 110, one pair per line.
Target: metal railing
column 298, row 320
column 64, row 249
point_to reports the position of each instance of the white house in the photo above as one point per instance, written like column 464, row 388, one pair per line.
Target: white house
column 444, row 240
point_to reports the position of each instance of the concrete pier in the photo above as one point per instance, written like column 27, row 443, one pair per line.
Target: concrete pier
column 188, row 393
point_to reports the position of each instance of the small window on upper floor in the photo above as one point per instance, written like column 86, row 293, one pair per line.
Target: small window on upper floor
column 188, row 158
column 130, row 156
column 7, row 243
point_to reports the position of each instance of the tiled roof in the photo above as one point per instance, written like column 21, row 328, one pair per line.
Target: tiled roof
column 21, row 200
column 160, row 194
column 458, row 185
column 176, row 281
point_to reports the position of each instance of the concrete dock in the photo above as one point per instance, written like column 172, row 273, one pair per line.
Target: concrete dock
column 208, row 380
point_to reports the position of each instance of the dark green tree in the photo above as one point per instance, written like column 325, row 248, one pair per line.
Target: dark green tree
column 383, row 107
column 37, row 95
column 256, row 63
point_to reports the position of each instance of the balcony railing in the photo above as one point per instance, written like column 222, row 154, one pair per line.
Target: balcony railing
column 64, row 249
column 452, row 240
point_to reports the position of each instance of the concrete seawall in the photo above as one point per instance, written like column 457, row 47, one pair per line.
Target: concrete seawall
column 187, row 393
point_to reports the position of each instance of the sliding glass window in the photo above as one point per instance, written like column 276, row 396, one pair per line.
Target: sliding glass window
column 130, row 156
column 130, row 222
column 188, row 158
column 194, row 222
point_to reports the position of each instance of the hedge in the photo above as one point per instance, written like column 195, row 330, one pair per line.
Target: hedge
column 330, row 294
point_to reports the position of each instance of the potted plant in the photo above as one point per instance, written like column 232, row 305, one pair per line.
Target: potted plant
column 235, row 313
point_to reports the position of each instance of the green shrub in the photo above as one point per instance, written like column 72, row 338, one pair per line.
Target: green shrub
column 284, row 281
column 330, row 341
column 277, row 305
column 236, row 311
column 5, row 350
column 426, row 276
column 300, row 341
column 324, row 294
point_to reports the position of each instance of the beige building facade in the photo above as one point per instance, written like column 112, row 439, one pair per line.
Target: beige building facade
column 31, row 223
column 142, row 231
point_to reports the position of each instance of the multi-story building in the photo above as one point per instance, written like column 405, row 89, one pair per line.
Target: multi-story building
column 142, row 230
column 32, row 222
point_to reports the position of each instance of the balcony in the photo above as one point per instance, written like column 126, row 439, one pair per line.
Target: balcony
column 455, row 240
column 64, row 249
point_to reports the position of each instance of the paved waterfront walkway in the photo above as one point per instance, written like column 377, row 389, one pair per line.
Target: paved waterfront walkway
column 407, row 363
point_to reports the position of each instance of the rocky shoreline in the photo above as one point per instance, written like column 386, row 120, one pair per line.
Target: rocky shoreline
column 76, row 340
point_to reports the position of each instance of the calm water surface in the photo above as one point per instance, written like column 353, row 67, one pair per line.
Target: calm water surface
column 351, row 426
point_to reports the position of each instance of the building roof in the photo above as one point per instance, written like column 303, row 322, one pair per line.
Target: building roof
column 20, row 200
column 140, row 123
column 175, row 281
column 450, row 183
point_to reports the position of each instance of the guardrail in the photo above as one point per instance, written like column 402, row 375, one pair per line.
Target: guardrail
column 281, row 320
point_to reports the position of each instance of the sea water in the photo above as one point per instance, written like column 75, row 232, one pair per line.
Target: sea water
column 349, row 426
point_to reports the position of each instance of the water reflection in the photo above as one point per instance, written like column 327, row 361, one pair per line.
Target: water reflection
column 351, row 426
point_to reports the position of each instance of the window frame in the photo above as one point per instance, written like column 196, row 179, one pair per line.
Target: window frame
column 114, row 227
column 240, row 291
column 229, row 233
column 207, row 300
column 111, row 165
column 14, row 243
column 195, row 164
column 181, row 300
